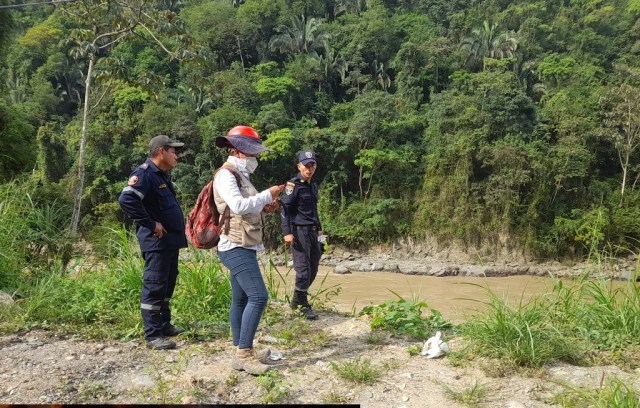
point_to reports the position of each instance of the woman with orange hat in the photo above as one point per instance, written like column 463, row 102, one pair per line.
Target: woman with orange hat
column 242, row 239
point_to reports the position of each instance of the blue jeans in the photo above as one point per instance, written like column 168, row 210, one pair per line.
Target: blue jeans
column 249, row 294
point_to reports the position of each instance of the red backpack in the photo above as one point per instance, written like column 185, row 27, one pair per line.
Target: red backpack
column 204, row 223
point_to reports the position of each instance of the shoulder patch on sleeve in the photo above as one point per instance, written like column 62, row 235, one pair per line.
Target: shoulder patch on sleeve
column 133, row 180
column 144, row 165
column 289, row 188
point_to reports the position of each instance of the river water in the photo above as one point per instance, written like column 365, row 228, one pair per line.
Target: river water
column 456, row 298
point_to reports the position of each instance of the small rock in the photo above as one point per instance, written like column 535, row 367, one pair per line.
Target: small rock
column 405, row 398
column 112, row 350
column 142, row 381
column 580, row 373
column 366, row 394
column 5, row 298
column 341, row 270
column 69, row 358
column 272, row 340
column 322, row 364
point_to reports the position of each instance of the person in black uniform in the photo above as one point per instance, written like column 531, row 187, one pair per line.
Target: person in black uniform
column 301, row 228
column 149, row 199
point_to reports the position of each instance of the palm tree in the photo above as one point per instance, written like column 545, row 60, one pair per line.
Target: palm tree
column 303, row 37
column 486, row 42
column 331, row 62
column 383, row 79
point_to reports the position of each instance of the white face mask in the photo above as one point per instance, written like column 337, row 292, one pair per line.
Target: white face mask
column 250, row 164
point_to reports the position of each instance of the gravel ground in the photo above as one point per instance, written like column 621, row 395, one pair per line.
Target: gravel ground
column 38, row 367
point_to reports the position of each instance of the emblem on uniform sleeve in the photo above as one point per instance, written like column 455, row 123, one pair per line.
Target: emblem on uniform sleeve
column 133, row 180
column 289, row 189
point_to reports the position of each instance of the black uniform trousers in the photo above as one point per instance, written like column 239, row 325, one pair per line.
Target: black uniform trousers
column 158, row 284
column 306, row 253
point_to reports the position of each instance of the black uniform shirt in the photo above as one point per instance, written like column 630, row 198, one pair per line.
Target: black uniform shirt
column 299, row 204
column 149, row 197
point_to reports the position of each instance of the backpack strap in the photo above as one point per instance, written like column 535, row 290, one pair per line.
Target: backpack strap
column 226, row 215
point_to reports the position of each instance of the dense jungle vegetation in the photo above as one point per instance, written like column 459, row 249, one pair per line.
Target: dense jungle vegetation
column 488, row 123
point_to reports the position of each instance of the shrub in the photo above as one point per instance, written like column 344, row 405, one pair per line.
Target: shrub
column 405, row 317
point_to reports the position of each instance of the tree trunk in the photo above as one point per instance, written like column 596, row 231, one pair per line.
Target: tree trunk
column 75, row 217
column 240, row 52
column 625, row 169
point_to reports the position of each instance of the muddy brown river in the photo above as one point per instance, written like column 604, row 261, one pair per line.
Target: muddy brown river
column 455, row 297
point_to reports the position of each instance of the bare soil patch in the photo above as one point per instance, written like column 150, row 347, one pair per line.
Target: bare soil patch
column 38, row 367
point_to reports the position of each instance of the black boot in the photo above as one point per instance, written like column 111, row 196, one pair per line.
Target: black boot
column 297, row 299
column 300, row 300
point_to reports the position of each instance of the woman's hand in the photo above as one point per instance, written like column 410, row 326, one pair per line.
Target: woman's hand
column 276, row 190
column 271, row 208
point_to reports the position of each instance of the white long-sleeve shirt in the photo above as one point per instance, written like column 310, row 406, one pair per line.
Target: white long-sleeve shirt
column 227, row 187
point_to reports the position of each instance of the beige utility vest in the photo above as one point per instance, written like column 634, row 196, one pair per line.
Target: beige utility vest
column 246, row 229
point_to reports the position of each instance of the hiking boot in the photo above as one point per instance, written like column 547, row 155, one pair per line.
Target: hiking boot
column 248, row 360
column 300, row 301
column 308, row 313
column 160, row 343
column 172, row 330
column 263, row 357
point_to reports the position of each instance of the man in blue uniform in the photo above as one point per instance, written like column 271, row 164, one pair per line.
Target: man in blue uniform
column 301, row 227
column 149, row 199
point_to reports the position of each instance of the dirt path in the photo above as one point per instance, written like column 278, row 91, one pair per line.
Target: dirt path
column 38, row 368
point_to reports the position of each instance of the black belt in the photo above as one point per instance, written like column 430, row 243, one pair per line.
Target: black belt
column 306, row 227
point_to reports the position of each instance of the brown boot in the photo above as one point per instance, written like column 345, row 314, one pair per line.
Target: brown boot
column 248, row 360
column 263, row 355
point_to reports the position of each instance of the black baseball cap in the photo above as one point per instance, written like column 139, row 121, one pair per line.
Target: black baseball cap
column 161, row 141
column 307, row 156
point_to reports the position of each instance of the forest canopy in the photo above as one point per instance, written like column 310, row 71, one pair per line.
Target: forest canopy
column 485, row 123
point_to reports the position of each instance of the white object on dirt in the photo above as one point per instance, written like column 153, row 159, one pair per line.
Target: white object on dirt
column 275, row 356
column 435, row 346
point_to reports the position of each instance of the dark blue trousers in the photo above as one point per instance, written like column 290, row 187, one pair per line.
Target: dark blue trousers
column 158, row 284
column 306, row 254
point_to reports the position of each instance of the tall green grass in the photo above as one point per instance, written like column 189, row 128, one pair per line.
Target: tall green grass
column 525, row 333
column 103, row 301
column 33, row 233
column 280, row 285
column 203, row 295
column 613, row 393
column 576, row 317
